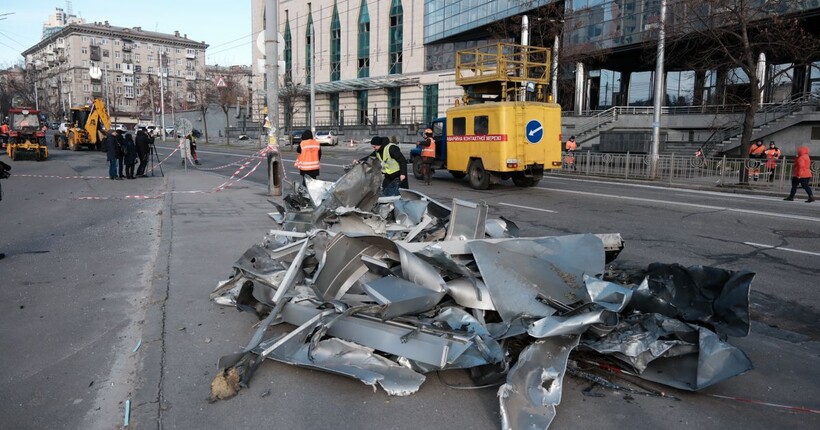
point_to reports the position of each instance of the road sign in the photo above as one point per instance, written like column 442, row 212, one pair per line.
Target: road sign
column 220, row 83
column 534, row 131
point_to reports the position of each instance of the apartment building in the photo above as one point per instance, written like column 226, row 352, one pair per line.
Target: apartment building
column 120, row 64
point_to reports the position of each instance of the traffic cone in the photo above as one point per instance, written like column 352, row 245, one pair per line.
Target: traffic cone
column 351, row 143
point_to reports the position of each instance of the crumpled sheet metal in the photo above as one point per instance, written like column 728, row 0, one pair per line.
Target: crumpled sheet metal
column 671, row 352
column 524, row 275
column 708, row 295
column 534, row 384
column 369, row 281
column 392, row 337
column 574, row 324
column 318, row 189
column 341, row 357
column 401, row 297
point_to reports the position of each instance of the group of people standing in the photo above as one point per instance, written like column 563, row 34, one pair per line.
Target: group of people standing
column 393, row 162
column 122, row 150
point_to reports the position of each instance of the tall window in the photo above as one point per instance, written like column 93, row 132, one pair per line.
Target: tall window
column 361, row 106
column 430, row 103
column 394, row 104
column 396, row 36
column 308, row 46
column 335, row 45
column 288, row 51
column 334, row 109
column 364, row 44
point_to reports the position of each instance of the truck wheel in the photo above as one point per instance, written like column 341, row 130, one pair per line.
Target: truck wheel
column 479, row 178
column 417, row 168
column 456, row 174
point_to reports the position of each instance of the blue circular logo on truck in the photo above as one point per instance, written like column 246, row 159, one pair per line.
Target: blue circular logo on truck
column 534, row 131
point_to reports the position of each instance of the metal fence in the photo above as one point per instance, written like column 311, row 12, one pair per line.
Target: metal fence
column 676, row 169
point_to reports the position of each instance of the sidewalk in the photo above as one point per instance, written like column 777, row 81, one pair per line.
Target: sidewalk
column 185, row 333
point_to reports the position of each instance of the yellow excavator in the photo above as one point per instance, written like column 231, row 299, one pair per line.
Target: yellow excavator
column 86, row 127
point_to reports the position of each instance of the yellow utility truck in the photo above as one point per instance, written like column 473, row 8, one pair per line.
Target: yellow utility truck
column 506, row 127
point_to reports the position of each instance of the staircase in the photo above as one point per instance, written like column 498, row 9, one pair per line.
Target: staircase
column 775, row 118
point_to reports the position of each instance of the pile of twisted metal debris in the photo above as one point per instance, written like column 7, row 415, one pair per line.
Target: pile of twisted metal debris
column 387, row 289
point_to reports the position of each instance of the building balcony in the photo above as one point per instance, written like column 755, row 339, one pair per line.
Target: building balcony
column 190, row 56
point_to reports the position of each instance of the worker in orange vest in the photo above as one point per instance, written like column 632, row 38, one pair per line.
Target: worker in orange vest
column 428, row 155
column 570, row 147
column 772, row 155
column 758, row 150
column 310, row 152
column 4, row 133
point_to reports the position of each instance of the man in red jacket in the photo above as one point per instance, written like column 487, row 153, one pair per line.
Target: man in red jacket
column 802, row 174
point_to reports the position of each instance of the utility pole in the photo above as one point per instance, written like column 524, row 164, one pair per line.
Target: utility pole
column 659, row 95
column 161, row 97
column 275, row 171
column 312, row 78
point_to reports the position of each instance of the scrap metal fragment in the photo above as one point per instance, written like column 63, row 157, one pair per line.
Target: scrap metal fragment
column 575, row 324
column 709, row 295
column 533, row 386
column 671, row 352
column 426, row 347
column 318, row 189
column 471, row 293
column 520, row 271
column 402, row 297
column 607, row 294
column 467, row 220
column 409, row 212
column 500, row 228
column 341, row 265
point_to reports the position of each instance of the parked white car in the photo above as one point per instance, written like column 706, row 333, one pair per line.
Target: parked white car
column 327, row 137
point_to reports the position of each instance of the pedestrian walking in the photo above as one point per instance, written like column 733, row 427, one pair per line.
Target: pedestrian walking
column 570, row 147
column 802, row 174
column 310, row 154
column 394, row 165
column 428, row 155
column 756, row 151
column 129, row 149
column 112, row 150
column 143, row 142
column 772, row 155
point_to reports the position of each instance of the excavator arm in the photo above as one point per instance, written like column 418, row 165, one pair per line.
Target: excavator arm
column 98, row 120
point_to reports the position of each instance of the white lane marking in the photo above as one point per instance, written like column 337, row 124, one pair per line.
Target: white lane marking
column 662, row 188
column 693, row 205
column 760, row 245
column 527, row 207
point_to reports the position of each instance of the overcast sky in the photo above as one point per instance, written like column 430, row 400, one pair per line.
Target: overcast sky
column 225, row 25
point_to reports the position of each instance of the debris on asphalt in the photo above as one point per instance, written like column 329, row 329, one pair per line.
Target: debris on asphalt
column 389, row 289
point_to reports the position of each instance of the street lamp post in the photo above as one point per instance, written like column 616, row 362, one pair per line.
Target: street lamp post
column 659, row 93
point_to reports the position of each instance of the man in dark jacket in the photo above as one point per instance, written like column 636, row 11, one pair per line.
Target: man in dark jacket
column 143, row 142
column 394, row 165
column 121, row 153
column 112, row 153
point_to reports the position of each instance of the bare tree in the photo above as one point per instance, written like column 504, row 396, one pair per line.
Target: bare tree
column 728, row 36
column 205, row 94
column 289, row 94
column 227, row 96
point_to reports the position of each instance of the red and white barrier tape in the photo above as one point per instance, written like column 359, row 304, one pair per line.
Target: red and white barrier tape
column 25, row 175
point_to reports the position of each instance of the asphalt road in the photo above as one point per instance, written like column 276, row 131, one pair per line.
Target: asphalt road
column 106, row 300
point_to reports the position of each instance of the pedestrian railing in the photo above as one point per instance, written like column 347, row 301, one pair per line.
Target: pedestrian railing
column 691, row 170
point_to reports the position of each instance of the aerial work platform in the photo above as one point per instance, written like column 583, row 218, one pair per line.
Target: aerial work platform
column 498, row 71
